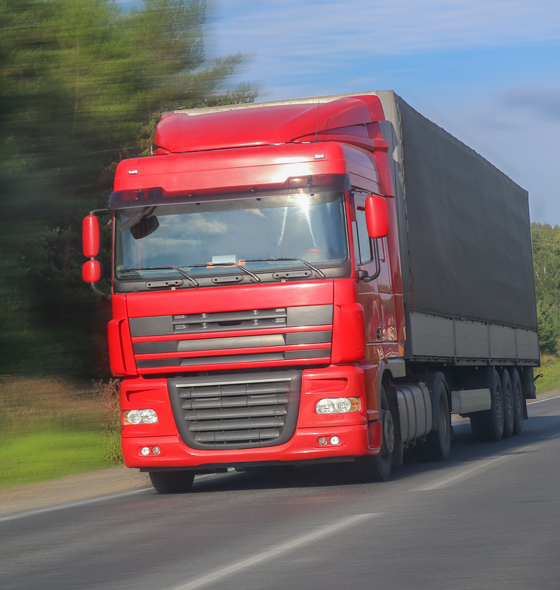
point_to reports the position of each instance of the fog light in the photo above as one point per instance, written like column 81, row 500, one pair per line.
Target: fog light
column 338, row 405
column 145, row 451
column 335, row 440
column 140, row 417
column 156, row 451
column 323, row 441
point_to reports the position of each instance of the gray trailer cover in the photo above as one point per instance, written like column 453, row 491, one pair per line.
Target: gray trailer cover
column 468, row 252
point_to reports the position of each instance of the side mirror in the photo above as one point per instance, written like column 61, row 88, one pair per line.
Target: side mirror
column 90, row 236
column 377, row 217
column 91, row 271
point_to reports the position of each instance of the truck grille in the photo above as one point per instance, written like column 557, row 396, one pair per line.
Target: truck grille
column 236, row 411
column 273, row 336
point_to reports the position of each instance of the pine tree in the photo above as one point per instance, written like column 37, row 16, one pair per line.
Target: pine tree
column 81, row 84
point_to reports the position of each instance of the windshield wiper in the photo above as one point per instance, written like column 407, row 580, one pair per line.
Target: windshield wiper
column 240, row 266
column 308, row 264
column 177, row 268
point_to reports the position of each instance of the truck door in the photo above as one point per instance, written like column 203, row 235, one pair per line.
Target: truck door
column 376, row 296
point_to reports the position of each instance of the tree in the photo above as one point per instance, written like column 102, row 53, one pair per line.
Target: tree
column 546, row 261
column 81, row 83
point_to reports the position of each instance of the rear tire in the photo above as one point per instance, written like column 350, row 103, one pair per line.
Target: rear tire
column 489, row 425
column 507, row 401
column 172, row 482
column 518, row 402
column 378, row 467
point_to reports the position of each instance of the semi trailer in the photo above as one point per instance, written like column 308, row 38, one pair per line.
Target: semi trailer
column 325, row 279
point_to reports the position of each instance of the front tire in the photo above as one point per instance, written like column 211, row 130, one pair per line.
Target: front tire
column 378, row 467
column 172, row 482
column 438, row 442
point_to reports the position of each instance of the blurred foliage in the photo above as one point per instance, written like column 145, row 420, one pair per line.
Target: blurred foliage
column 546, row 260
column 49, row 427
column 108, row 394
column 81, row 86
column 550, row 370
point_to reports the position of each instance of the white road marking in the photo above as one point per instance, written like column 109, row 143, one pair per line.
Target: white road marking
column 86, row 501
column 275, row 551
column 453, row 478
column 483, row 464
column 538, row 401
column 37, row 511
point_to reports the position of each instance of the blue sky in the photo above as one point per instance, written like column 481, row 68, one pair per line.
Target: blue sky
column 486, row 70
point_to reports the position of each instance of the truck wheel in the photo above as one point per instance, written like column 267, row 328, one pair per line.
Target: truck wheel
column 518, row 402
column 489, row 424
column 438, row 442
column 172, row 482
column 507, row 401
column 378, row 467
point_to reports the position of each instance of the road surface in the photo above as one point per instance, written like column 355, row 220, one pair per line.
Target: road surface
column 489, row 518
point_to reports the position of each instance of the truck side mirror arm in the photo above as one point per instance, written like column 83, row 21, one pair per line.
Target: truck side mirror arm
column 363, row 275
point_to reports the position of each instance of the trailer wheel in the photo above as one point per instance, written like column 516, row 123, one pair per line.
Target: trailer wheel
column 378, row 467
column 507, row 400
column 518, row 402
column 172, row 482
column 489, row 424
column 438, row 442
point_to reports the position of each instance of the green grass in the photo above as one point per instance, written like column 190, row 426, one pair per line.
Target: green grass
column 550, row 368
column 41, row 456
column 51, row 428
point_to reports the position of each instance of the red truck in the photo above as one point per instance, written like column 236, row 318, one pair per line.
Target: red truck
column 315, row 280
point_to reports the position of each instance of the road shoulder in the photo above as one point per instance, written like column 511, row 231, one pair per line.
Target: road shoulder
column 70, row 489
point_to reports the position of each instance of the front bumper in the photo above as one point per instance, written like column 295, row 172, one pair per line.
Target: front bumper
column 354, row 440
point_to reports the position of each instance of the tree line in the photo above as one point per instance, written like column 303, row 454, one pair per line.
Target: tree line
column 82, row 83
column 546, row 261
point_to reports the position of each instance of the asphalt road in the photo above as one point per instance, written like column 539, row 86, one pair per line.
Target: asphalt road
column 489, row 518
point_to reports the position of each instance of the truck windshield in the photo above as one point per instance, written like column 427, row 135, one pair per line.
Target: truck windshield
column 210, row 237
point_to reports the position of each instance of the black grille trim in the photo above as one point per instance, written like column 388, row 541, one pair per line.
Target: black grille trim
column 237, row 411
column 199, row 323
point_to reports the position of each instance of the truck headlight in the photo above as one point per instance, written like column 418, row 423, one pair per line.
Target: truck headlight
column 338, row 405
column 140, row 417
